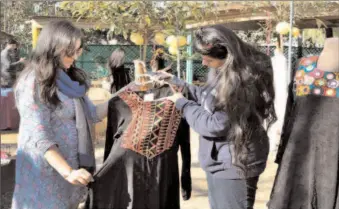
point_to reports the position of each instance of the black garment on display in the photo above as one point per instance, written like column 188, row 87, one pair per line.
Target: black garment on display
column 121, row 78
column 308, row 155
column 140, row 169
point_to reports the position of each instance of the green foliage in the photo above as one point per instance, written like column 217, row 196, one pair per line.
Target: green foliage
column 312, row 36
column 145, row 17
column 302, row 9
column 16, row 14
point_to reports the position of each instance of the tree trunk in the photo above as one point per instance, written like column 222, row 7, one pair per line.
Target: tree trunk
column 178, row 63
column 140, row 51
column 5, row 15
column 144, row 55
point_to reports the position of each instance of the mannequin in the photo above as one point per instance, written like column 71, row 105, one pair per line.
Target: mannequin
column 329, row 57
column 308, row 154
column 140, row 76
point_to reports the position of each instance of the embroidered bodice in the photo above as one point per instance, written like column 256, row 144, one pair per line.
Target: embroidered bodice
column 311, row 80
column 153, row 127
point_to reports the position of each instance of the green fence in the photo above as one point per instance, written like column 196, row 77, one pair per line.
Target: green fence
column 94, row 59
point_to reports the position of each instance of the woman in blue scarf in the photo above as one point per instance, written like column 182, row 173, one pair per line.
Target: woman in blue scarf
column 55, row 156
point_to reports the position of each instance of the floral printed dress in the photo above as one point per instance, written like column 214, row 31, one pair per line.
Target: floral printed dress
column 308, row 155
column 37, row 184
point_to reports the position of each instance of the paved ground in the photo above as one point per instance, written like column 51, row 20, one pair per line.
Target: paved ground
column 199, row 198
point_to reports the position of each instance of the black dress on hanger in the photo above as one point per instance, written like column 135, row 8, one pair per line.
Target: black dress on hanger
column 121, row 78
column 140, row 169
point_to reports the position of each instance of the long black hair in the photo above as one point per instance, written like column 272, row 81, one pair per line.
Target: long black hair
column 56, row 39
column 245, row 90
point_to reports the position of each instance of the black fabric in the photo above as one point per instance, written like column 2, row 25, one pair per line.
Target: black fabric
column 288, row 123
column 288, row 118
column 307, row 176
column 231, row 193
column 329, row 32
column 121, row 78
column 128, row 179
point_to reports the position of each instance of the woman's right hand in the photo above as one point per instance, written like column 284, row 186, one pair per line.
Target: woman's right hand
column 79, row 177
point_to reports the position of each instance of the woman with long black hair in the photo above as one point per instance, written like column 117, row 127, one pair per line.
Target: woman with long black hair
column 230, row 114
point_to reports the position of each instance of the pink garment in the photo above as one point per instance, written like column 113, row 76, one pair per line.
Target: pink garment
column 9, row 115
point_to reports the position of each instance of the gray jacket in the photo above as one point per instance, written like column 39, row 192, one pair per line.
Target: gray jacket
column 216, row 153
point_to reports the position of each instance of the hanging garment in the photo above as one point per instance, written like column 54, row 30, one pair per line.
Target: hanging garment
column 140, row 169
column 279, row 64
column 308, row 154
column 121, row 78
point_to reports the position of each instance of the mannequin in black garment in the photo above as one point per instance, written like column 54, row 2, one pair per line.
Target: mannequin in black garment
column 308, row 154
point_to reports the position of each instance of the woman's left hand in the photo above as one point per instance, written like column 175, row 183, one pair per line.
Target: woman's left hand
column 175, row 97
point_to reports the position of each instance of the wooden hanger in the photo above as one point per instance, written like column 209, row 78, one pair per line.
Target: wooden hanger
column 145, row 81
column 141, row 78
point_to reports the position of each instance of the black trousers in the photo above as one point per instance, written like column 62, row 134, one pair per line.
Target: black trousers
column 231, row 193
